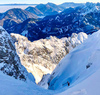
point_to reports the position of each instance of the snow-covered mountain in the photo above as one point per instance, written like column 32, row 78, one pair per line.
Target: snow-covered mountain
column 41, row 57
column 14, row 78
column 78, row 73
column 78, row 65
column 72, row 20
column 9, row 60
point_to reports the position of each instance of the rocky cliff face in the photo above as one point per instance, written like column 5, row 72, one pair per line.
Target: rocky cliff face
column 9, row 60
column 41, row 57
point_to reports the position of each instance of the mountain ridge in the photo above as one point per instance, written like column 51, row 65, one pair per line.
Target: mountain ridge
column 71, row 20
column 14, row 16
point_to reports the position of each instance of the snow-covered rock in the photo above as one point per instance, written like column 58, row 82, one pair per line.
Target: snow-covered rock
column 9, row 60
column 41, row 57
column 78, row 65
column 75, row 39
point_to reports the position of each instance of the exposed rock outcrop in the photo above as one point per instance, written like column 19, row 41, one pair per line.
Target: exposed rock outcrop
column 9, row 60
column 41, row 57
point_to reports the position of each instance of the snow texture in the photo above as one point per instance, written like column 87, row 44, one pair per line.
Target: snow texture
column 78, row 65
column 89, row 86
column 11, row 86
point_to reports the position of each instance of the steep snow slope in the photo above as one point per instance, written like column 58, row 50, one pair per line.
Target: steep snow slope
column 41, row 57
column 90, row 86
column 79, row 64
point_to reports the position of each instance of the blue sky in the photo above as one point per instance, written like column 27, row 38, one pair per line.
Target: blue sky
column 44, row 1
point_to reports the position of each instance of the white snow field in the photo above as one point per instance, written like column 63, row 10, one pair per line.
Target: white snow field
column 90, row 86
column 78, row 65
column 11, row 86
